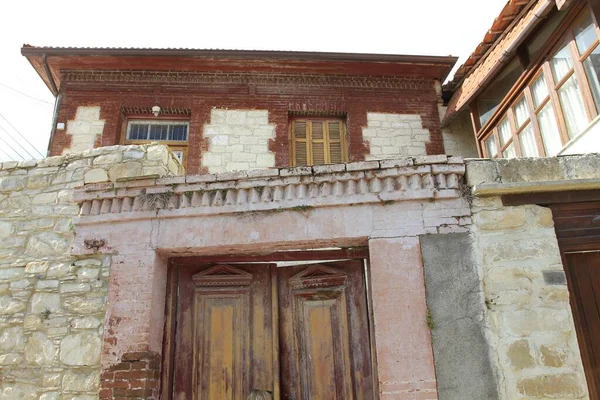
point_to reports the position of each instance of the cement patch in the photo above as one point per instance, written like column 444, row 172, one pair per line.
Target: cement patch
column 456, row 307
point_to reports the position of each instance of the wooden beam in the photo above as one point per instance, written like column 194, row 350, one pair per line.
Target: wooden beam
column 563, row 4
column 308, row 255
column 595, row 9
column 547, row 198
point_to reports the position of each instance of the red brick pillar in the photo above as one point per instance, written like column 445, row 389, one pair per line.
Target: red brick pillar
column 136, row 377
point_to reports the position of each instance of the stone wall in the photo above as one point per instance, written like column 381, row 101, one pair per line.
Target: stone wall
column 395, row 135
column 238, row 140
column 530, row 328
column 84, row 130
column 458, row 137
column 52, row 305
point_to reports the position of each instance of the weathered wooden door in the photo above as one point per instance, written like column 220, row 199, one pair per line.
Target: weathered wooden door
column 583, row 269
column 324, row 332
column 224, row 334
column 233, row 334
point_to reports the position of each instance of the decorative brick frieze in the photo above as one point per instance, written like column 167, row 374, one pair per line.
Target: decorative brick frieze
column 136, row 377
column 363, row 182
column 218, row 78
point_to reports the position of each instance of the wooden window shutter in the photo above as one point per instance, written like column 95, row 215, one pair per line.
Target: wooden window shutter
column 316, row 142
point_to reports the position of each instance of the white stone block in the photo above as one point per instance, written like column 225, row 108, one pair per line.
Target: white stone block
column 265, row 160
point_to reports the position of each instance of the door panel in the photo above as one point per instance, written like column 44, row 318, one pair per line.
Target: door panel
column 223, row 345
column 324, row 339
column 584, row 273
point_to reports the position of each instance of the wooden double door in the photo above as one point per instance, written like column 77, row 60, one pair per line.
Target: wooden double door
column 299, row 332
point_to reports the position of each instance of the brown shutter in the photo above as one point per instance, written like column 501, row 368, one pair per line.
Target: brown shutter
column 300, row 143
column 318, row 143
column 335, row 142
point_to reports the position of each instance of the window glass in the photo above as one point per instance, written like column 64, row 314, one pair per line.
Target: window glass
column 138, row 132
column 158, row 132
column 592, row 70
column 504, row 132
column 561, row 63
column 488, row 101
column 509, row 152
column 527, row 141
column 572, row 105
column 539, row 91
column 585, row 34
column 178, row 132
column 549, row 26
column 549, row 130
column 521, row 112
column 490, row 146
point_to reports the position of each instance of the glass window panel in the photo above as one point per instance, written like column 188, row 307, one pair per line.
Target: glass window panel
column 490, row 98
column 490, row 146
column 572, row 106
column 521, row 112
column 592, row 70
column 549, row 130
column 158, row 132
column 138, row 132
column 509, row 152
column 504, row 132
column 539, row 90
column 585, row 34
column 178, row 132
column 561, row 63
column 527, row 141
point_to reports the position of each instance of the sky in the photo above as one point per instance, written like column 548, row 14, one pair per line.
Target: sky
column 425, row 27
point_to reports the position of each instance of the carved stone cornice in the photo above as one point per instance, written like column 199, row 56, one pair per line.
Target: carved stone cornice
column 121, row 77
column 273, row 190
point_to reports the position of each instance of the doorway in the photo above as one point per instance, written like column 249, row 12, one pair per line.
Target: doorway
column 300, row 331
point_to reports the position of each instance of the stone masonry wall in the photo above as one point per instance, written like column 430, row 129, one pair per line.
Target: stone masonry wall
column 52, row 305
column 458, row 137
column 395, row 135
column 530, row 327
column 238, row 140
column 84, row 130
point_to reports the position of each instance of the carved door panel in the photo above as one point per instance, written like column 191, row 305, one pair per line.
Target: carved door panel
column 583, row 269
column 224, row 333
column 324, row 335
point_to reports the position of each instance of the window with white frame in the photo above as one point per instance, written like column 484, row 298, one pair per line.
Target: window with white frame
column 176, row 131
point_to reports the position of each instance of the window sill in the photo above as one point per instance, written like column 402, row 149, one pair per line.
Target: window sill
column 588, row 141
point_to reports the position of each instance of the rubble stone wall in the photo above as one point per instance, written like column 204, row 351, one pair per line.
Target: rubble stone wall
column 52, row 305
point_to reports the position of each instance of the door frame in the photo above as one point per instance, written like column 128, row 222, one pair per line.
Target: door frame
column 168, row 360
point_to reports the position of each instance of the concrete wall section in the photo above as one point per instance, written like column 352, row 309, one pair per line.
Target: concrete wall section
column 458, row 137
column 238, row 140
column 457, row 318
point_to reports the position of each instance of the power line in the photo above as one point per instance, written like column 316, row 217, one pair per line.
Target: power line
column 17, row 143
column 16, row 152
column 24, row 94
column 25, row 139
column 7, row 156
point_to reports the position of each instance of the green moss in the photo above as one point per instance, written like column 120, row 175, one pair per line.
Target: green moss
column 429, row 320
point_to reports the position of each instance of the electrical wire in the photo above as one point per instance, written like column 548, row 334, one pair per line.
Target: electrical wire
column 24, row 94
column 9, row 158
column 16, row 152
column 24, row 138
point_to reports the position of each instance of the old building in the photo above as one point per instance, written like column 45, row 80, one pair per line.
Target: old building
column 215, row 222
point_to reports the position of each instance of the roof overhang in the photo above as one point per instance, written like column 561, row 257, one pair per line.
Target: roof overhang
column 50, row 61
column 516, row 21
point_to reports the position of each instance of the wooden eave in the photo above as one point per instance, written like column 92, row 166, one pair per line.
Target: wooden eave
column 232, row 61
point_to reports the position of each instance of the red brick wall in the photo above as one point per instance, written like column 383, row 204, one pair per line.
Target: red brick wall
column 354, row 102
column 137, row 377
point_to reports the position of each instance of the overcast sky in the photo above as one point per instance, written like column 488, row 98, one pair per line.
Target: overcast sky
column 431, row 27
